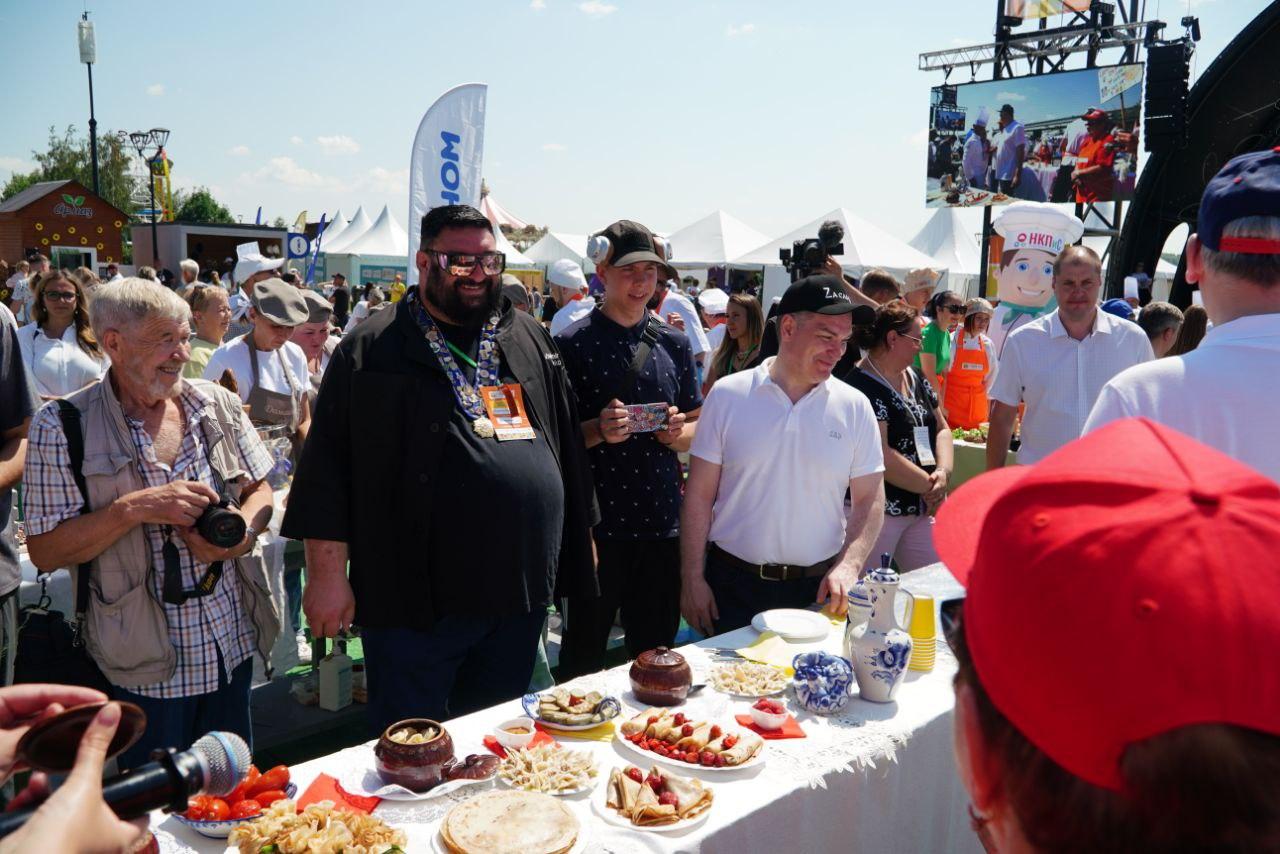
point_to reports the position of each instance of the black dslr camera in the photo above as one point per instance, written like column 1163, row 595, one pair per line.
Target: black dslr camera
column 220, row 525
column 807, row 257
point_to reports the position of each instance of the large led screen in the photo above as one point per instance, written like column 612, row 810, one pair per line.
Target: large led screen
column 1065, row 137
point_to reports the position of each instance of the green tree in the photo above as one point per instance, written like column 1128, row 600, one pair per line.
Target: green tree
column 67, row 157
column 279, row 222
column 199, row 205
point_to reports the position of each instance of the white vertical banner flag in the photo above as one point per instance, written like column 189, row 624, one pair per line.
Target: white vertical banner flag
column 447, row 154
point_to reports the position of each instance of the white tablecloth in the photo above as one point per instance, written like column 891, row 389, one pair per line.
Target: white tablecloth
column 876, row 778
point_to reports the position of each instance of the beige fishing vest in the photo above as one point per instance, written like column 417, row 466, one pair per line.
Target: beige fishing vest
column 125, row 629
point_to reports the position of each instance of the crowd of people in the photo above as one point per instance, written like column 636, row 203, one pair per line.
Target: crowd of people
column 464, row 459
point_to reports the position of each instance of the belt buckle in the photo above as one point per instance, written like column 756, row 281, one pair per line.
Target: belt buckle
column 760, row 572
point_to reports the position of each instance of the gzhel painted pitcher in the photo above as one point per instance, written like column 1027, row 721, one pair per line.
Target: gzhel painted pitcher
column 880, row 648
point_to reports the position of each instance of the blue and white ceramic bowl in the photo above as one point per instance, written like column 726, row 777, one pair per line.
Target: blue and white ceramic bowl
column 821, row 682
column 222, row 829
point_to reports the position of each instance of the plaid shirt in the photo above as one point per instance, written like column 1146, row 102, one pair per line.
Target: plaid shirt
column 200, row 628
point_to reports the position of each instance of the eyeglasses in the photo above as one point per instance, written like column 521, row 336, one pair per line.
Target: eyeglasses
column 911, row 337
column 59, row 296
column 954, row 308
column 458, row 264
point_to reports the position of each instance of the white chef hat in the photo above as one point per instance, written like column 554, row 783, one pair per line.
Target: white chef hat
column 1130, row 287
column 984, row 116
column 565, row 273
column 714, row 301
column 1037, row 225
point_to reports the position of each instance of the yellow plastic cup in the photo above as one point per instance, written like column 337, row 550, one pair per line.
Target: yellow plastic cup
column 923, row 630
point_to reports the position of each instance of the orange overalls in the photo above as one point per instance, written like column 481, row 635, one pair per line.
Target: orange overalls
column 966, row 391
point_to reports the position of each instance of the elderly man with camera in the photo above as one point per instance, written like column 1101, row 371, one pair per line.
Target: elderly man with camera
column 152, row 486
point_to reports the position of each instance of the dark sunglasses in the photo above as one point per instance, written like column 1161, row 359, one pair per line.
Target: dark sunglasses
column 952, row 307
column 459, row 264
column 59, row 296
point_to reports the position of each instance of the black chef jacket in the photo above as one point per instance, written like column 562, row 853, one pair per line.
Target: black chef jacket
column 370, row 473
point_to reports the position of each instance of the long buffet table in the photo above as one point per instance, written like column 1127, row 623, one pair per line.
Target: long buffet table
column 878, row 778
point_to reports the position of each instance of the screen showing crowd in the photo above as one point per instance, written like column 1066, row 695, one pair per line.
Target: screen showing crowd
column 1065, row 137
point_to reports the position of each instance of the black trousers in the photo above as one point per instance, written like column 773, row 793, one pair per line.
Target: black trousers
column 642, row 577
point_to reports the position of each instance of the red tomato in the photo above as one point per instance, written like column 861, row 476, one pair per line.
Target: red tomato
column 217, row 810
column 197, row 807
column 240, row 792
column 269, row 797
column 247, row 808
column 276, row 778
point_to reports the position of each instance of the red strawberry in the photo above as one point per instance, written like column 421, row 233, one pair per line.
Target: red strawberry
column 730, row 741
column 719, row 761
column 574, row 699
column 686, row 730
column 653, row 781
column 679, row 719
column 669, row 798
column 691, row 757
column 707, row 758
column 653, row 720
column 716, row 732
column 635, row 774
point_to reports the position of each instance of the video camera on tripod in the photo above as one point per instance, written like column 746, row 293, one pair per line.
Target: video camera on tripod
column 809, row 256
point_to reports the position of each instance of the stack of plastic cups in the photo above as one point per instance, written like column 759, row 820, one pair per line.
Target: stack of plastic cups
column 923, row 630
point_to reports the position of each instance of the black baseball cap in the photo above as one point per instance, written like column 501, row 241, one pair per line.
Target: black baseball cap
column 1247, row 186
column 822, row 294
column 632, row 243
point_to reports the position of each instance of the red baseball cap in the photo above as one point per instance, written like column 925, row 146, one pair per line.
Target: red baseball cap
column 1093, row 114
column 1124, row 586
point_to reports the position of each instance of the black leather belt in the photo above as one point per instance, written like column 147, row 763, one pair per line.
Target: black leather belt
column 771, row 571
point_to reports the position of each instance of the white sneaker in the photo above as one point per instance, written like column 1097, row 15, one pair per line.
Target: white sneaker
column 304, row 650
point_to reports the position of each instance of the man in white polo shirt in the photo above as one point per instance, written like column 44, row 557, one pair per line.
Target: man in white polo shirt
column 1220, row 393
column 1059, row 363
column 764, row 523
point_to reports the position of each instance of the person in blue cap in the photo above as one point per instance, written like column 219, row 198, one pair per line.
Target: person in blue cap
column 1119, row 308
column 1219, row 393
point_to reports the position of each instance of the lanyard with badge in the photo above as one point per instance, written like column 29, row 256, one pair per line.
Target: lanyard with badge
column 496, row 409
column 919, row 430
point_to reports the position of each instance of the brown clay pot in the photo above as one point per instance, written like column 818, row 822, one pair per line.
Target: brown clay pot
column 661, row 677
column 418, row 767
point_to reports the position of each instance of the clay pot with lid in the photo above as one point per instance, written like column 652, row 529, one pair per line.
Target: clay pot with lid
column 418, row 767
column 661, row 677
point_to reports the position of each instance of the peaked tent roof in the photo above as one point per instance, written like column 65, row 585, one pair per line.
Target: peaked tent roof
column 712, row 241
column 515, row 258
column 384, row 237
column 555, row 245
column 866, row 246
column 945, row 239
column 359, row 225
column 498, row 215
column 333, row 228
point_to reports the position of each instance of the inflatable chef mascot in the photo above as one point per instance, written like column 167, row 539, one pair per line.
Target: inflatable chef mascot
column 1034, row 233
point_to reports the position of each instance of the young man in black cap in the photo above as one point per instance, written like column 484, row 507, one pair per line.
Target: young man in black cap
column 470, row 511
column 776, row 449
column 621, row 355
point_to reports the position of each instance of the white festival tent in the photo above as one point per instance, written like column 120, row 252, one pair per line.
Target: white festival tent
column 358, row 226
column 515, row 258
column 952, row 246
column 712, row 241
column 555, row 245
column 333, row 228
column 384, row 237
column 865, row 247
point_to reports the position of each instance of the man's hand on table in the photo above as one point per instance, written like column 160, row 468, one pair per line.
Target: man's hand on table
column 329, row 604
column 698, row 605
column 75, row 817
column 835, row 587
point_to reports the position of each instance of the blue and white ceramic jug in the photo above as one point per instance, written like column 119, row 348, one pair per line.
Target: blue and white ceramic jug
column 880, row 648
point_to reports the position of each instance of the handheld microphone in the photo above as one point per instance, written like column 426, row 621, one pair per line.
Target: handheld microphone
column 215, row 765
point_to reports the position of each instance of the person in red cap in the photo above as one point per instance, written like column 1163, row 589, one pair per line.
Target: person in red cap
column 1094, row 176
column 1115, row 689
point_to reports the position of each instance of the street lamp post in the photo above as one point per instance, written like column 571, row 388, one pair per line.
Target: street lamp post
column 89, row 55
column 143, row 140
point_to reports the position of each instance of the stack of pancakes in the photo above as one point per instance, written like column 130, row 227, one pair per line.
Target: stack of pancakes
column 507, row 822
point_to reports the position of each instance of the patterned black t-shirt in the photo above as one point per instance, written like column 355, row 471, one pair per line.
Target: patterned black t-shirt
column 901, row 415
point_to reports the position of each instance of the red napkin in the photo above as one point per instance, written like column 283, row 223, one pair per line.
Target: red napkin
column 492, row 743
column 790, row 729
column 326, row 788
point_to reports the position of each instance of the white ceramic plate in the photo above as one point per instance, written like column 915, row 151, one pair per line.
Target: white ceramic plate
column 368, row 783
column 793, row 624
column 222, row 829
column 600, row 805
column 562, row 794
column 579, row 845
column 686, row 767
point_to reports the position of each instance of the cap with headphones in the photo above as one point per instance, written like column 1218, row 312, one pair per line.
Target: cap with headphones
column 627, row 242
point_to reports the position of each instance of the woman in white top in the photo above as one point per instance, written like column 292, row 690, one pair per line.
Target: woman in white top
column 58, row 347
column 366, row 306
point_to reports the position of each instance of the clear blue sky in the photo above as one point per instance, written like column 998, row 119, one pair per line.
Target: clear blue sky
column 657, row 110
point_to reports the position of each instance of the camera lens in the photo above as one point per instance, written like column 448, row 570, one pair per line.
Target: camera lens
column 221, row 527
